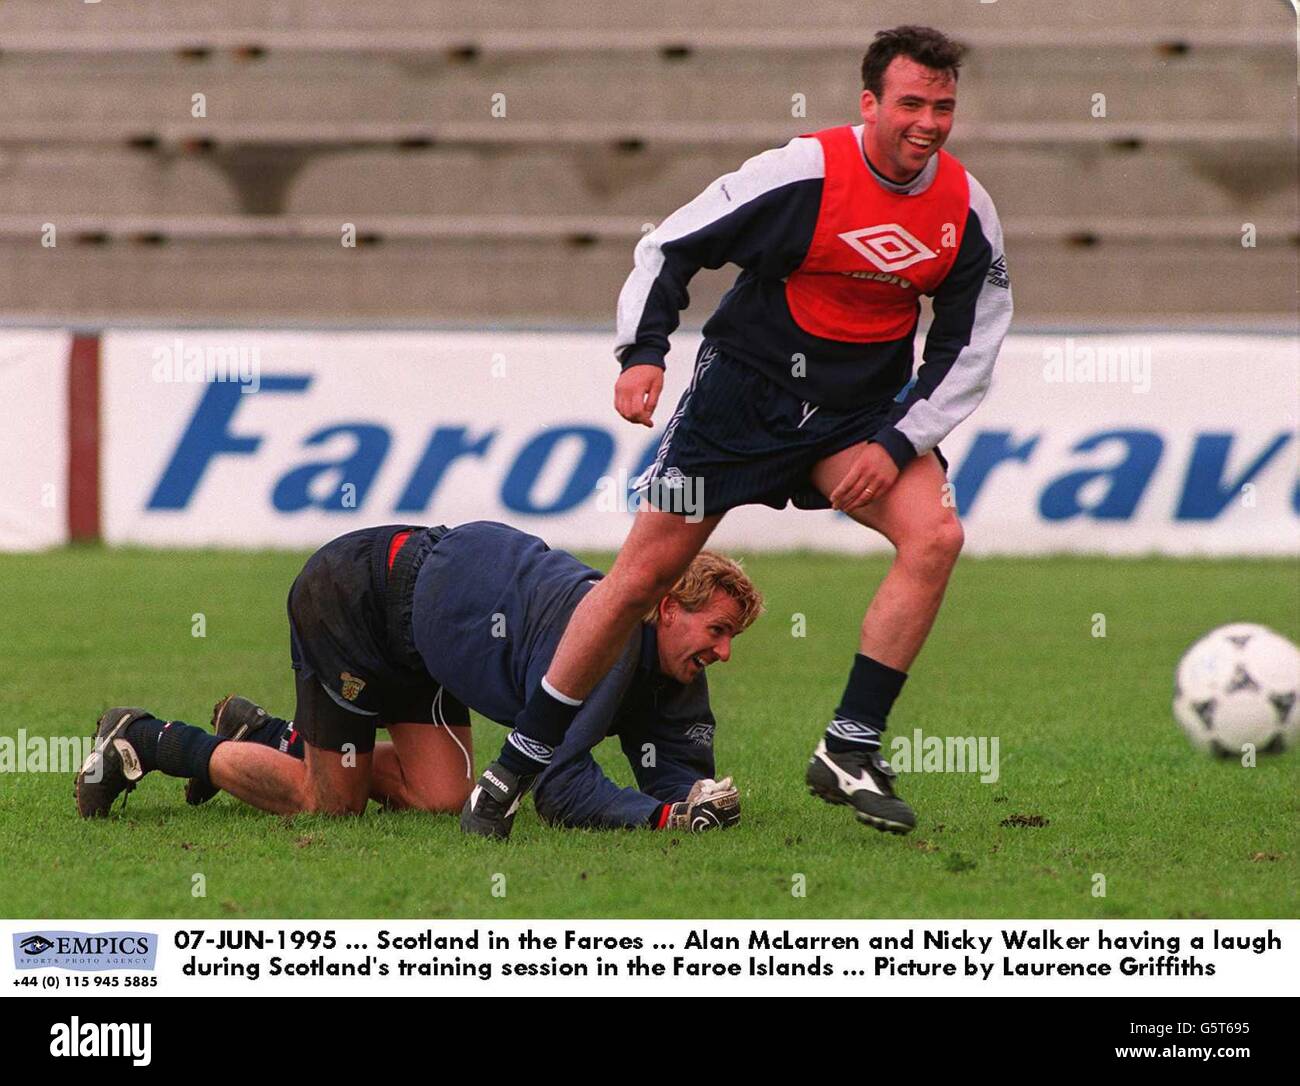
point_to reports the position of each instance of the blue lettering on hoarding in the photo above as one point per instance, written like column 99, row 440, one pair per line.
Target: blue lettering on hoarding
column 1106, row 494
column 598, row 449
column 1128, row 479
column 293, row 492
column 989, row 449
column 208, row 435
column 447, row 445
column 1204, row 497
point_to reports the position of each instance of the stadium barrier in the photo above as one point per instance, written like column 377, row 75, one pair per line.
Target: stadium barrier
column 1089, row 443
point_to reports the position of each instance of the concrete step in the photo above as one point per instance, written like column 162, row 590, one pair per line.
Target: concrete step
column 468, row 281
column 72, row 91
column 847, row 16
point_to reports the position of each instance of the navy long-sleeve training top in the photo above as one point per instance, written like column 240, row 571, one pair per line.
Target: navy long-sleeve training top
column 763, row 217
column 491, row 603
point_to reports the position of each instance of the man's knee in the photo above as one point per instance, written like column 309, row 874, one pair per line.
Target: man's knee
column 332, row 804
column 441, row 800
column 644, row 582
column 951, row 537
column 933, row 547
column 657, row 552
column 332, row 790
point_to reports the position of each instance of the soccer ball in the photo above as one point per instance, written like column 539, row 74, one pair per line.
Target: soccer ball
column 1239, row 685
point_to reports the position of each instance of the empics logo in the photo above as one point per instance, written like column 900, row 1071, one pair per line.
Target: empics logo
column 116, row 1040
column 888, row 246
column 35, row 944
column 84, row 951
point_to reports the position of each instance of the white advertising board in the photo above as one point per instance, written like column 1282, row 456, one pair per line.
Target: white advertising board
column 1108, row 444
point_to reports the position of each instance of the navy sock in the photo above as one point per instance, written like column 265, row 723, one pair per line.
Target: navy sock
column 863, row 710
column 539, row 729
column 280, row 734
column 183, row 750
column 143, row 736
column 524, row 757
column 291, row 741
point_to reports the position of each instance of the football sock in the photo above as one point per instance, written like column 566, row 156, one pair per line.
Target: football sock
column 539, row 729
column 182, row 750
column 291, row 741
column 524, row 757
column 860, row 718
column 143, row 736
column 277, row 733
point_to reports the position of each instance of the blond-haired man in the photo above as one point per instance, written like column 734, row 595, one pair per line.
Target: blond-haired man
column 405, row 628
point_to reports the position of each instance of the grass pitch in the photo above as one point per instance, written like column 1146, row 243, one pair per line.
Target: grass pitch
column 1095, row 779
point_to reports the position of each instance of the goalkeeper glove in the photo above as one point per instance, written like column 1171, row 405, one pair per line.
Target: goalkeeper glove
column 709, row 805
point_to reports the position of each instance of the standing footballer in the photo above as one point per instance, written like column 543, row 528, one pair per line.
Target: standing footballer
column 801, row 394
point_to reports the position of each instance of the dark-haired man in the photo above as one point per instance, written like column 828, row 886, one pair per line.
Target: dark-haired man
column 801, row 390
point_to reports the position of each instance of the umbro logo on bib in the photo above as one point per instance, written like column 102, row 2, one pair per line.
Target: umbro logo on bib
column 888, row 246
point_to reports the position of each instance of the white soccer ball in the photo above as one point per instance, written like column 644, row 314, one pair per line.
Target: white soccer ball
column 1239, row 685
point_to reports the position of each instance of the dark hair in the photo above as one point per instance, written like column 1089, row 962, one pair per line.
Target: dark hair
column 923, row 44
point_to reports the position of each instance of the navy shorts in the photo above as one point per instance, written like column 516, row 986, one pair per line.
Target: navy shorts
column 738, row 438
column 350, row 642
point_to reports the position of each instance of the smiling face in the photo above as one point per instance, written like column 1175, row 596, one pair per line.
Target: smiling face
column 689, row 641
column 911, row 119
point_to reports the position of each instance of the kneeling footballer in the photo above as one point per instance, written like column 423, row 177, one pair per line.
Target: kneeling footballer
column 406, row 628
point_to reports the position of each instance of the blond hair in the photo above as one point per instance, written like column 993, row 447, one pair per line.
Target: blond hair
column 708, row 572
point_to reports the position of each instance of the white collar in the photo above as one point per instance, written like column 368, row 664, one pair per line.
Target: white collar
column 914, row 187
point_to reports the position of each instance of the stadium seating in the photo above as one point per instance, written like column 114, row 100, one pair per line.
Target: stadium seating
column 387, row 116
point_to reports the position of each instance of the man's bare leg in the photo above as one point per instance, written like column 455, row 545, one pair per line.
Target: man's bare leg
column 131, row 742
column 847, row 768
column 657, row 551
column 271, row 781
column 927, row 537
column 424, row 768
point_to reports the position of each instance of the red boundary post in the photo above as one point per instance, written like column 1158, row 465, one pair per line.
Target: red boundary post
column 83, row 440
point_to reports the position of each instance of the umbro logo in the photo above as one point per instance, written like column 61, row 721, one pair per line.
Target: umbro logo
column 700, row 734
column 888, row 246
column 997, row 276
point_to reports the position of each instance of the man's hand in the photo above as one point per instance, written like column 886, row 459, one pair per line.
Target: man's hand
column 709, row 805
column 871, row 474
column 636, row 393
column 707, row 787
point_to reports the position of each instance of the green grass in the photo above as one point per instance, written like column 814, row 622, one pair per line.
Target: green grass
column 1087, row 742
